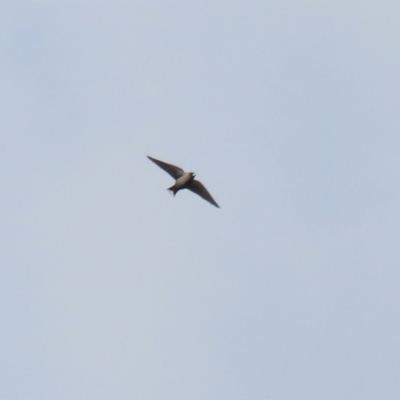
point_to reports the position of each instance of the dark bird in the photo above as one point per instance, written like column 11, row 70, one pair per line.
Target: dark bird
column 184, row 180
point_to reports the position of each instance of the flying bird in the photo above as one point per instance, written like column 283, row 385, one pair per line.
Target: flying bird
column 184, row 180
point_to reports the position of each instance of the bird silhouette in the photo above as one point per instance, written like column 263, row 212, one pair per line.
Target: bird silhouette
column 184, row 180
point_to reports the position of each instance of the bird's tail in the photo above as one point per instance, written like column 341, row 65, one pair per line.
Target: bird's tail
column 173, row 190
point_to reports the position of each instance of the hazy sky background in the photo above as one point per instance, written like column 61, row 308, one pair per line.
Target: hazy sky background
column 289, row 113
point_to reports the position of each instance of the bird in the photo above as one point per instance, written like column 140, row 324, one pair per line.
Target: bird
column 184, row 180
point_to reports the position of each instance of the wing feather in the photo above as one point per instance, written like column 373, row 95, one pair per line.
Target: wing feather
column 173, row 170
column 198, row 188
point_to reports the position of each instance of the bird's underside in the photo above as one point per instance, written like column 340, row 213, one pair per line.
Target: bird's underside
column 184, row 180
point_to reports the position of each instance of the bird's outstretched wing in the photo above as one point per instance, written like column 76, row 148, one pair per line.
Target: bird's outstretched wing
column 174, row 171
column 198, row 188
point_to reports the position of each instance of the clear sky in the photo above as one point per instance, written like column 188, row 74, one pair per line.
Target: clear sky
column 289, row 113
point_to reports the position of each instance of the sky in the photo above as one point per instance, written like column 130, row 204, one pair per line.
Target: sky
column 288, row 112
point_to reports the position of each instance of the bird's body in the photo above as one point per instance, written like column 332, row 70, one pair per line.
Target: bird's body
column 184, row 180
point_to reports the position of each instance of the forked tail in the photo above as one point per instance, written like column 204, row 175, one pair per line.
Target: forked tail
column 173, row 190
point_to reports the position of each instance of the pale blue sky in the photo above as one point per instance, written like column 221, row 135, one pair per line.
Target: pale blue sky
column 288, row 112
